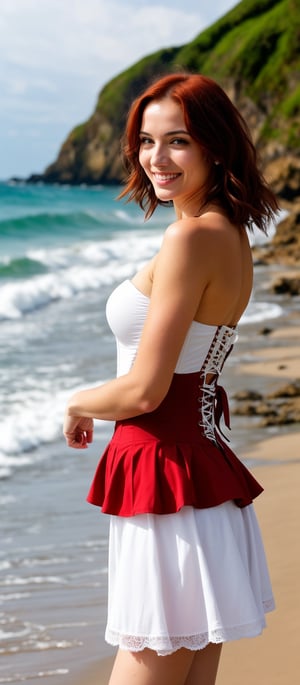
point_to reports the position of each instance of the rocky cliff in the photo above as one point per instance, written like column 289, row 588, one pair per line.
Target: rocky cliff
column 253, row 52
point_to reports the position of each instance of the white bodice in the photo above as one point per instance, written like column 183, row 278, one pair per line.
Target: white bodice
column 126, row 312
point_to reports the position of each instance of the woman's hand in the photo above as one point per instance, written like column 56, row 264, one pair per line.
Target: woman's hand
column 78, row 431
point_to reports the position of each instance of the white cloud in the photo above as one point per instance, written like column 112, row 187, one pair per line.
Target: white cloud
column 12, row 132
column 19, row 84
column 56, row 55
column 66, row 35
column 73, row 47
column 16, row 86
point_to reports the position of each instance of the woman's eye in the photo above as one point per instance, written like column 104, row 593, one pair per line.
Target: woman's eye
column 179, row 141
column 145, row 141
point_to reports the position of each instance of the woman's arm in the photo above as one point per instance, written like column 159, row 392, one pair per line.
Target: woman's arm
column 179, row 280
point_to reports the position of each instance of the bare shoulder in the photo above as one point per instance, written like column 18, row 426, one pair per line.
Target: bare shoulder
column 207, row 229
column 198, row 225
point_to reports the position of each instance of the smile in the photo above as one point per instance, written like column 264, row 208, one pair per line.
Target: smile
column 165, row 177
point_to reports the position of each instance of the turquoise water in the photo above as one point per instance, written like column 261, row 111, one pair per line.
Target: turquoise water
column 46, row 217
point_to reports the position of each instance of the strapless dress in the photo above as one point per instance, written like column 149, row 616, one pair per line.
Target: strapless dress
column 186, row 560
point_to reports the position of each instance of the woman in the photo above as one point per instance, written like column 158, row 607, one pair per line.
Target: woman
column 186, row 565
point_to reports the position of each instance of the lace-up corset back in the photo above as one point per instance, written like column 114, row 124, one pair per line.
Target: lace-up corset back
column 203, row 354
column 219, row 350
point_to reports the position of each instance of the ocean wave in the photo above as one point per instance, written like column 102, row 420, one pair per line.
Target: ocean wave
column 28, row 427
column 13, row 581
column 64, row 221
column 34, row 423
column 7, row 499
column 8, row 597
column 20, row 298
column 71, row 270
column 64, row 224
column 18, row 677
column 20, row 267
column 35, row 222
column 259, row 312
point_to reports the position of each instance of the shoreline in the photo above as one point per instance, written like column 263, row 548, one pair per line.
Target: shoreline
column 280, row 359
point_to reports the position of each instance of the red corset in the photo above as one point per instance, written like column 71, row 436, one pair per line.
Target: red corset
column 172, row 457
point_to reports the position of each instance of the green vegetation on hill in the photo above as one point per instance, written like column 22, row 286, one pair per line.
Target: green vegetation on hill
column 253, row 52
column 117, row 95
column 255, row 42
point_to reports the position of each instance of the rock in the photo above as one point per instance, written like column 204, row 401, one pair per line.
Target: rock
column 243, row 395
column 283, row 173
column 278, row 408
column 266, row 331
column 286, row 285
column 289, row 390
column 245, row 409
column 284, row 248
column 287, row 414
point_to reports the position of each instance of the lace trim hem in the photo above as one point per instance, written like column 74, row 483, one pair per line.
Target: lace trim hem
column 167, row 644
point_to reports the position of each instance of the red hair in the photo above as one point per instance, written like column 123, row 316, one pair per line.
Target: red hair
column 235, row 182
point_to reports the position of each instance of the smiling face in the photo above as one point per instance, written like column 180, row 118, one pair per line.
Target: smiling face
column 173, row 161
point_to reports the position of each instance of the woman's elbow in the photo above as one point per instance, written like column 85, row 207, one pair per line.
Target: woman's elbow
column 148, row 404
column 150, row 399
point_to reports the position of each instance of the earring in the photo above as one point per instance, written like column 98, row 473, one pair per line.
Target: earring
column 216, row 162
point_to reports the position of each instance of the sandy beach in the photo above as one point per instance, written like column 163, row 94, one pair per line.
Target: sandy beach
column 274, row 657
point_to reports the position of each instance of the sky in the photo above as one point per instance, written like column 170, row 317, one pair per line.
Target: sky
column 56, row 55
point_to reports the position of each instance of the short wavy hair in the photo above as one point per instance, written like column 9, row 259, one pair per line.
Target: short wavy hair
column 235, row 181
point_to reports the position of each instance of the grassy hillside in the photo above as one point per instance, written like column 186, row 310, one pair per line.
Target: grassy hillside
column 253, row 52
column 257, row 45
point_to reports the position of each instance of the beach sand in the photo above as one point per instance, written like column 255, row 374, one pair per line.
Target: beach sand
column 274, row 657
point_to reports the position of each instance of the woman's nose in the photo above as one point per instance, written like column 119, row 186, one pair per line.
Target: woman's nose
column 159, row 155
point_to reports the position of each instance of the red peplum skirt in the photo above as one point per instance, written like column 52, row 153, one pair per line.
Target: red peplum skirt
column 162, row 461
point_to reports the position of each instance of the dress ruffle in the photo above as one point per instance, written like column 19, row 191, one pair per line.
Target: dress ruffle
column 150, row 466
column 187, row 579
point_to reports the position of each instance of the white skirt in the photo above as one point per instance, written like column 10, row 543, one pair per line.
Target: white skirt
column 186, row 579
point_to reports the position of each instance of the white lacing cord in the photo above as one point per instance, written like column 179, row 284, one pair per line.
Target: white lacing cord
column 207, row 421
column 212, row 366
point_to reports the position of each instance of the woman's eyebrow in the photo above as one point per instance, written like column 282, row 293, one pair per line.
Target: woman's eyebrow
column 168, row 133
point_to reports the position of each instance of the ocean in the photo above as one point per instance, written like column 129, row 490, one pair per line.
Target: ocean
column 63, row 250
